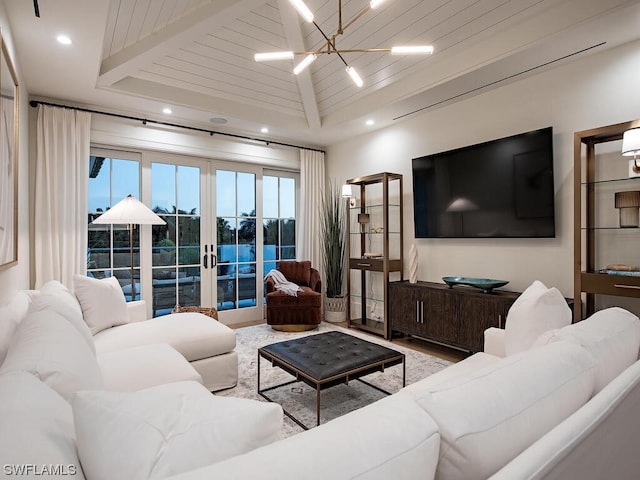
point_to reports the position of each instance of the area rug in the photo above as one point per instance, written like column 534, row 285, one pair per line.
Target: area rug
column 300, row 399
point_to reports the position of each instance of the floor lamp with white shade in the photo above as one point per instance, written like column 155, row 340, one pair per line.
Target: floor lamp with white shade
column 132, row 212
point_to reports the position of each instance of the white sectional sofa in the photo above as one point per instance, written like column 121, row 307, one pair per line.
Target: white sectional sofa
column 206, row 344
column 564, row 405
column 50, row 362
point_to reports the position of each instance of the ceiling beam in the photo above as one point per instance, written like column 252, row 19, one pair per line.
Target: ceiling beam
column 201, row 21
column 257, row 113
column 293, row 32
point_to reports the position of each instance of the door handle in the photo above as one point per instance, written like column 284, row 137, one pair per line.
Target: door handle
column 214, row 260
column 205, row 259
column 630, row 287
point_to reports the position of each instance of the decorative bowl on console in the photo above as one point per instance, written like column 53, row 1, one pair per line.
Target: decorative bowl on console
column 484, row 284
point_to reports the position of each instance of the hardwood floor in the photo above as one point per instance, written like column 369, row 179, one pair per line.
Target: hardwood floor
column 440, row 351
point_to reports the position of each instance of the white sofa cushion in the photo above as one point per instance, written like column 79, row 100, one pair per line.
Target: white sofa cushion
column 142, row 367
column 10, row 316
column 456, row 370
column 102, row 302
column 392, row 438
column 167, row 430
column 611, row 335
column 50, row 348
column 54, row 296
column 194, row 335
column 37, row 430
column 599, row 441
column 488, row 417
column 535, row 311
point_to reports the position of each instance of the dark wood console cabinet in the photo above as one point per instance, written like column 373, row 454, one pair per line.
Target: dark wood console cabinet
column 456, row 317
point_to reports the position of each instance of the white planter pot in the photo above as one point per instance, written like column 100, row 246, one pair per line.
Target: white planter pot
column 335, row 309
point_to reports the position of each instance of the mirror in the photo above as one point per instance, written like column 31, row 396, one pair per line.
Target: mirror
column 8, row 160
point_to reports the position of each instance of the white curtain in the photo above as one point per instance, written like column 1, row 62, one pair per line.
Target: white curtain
column 61, row 184
column 311, row 192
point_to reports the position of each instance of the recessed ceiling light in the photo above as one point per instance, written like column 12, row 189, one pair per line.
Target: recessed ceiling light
column 63, row 39
column 167, row 110
column 370, row 122
column 264, row 130
column 218, row 120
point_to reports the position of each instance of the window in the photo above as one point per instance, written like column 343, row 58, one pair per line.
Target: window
column 279, row 219
column 109, row 253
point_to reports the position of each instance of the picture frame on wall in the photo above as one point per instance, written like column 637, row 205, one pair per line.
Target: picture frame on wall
column 8, row 159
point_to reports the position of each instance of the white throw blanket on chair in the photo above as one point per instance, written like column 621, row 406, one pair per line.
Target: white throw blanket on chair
column 282, row 283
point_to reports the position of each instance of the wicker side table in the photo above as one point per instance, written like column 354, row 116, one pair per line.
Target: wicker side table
column 208, row 311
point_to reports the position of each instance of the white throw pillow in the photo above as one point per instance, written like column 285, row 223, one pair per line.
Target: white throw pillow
column 54, row 296
column 10, row 316
column 611, row 335
column 50, row 348
column 167, row 430
column 490, row 416
column 535, row 311
column 37, row 430
column 102, row 302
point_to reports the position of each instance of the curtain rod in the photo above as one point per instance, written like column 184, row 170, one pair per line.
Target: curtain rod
column 35, row 103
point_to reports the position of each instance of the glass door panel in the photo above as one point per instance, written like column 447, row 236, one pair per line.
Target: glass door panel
column 236, row 239
column 176, row 275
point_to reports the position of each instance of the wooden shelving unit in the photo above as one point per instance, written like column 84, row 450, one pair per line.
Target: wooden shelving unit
column 600, row 171
column 375, row 239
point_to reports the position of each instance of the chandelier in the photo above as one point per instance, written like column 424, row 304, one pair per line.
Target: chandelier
column 330, row 47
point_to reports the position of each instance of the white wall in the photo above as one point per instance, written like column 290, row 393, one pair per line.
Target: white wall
column 17, row 277
column 597, row 90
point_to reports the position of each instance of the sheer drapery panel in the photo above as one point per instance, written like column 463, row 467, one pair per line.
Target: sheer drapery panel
column 312, row 175
column 60, row 199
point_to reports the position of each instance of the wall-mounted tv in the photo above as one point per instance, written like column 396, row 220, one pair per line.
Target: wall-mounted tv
column 501, row 188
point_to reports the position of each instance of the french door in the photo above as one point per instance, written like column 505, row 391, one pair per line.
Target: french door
column 227, row 224
column 206, row 254
column 236, row 279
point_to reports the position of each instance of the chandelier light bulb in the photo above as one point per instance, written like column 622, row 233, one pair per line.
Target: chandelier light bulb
column 375, row 3
column 355, row 77
column 265, row 57
column 302, row 9
column 306, row 61
column 412, row 50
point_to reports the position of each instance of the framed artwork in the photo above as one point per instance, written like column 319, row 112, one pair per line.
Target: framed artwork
column 8, row 160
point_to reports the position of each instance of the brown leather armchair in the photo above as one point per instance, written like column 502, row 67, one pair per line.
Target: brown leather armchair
column 295, row 314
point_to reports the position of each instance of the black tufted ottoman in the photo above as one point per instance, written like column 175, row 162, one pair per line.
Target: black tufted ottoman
column 327, row 359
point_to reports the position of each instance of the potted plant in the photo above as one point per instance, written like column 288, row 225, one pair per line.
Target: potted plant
column 332, row 236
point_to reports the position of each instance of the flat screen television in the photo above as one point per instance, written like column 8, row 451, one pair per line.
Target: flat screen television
column 502, row 188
